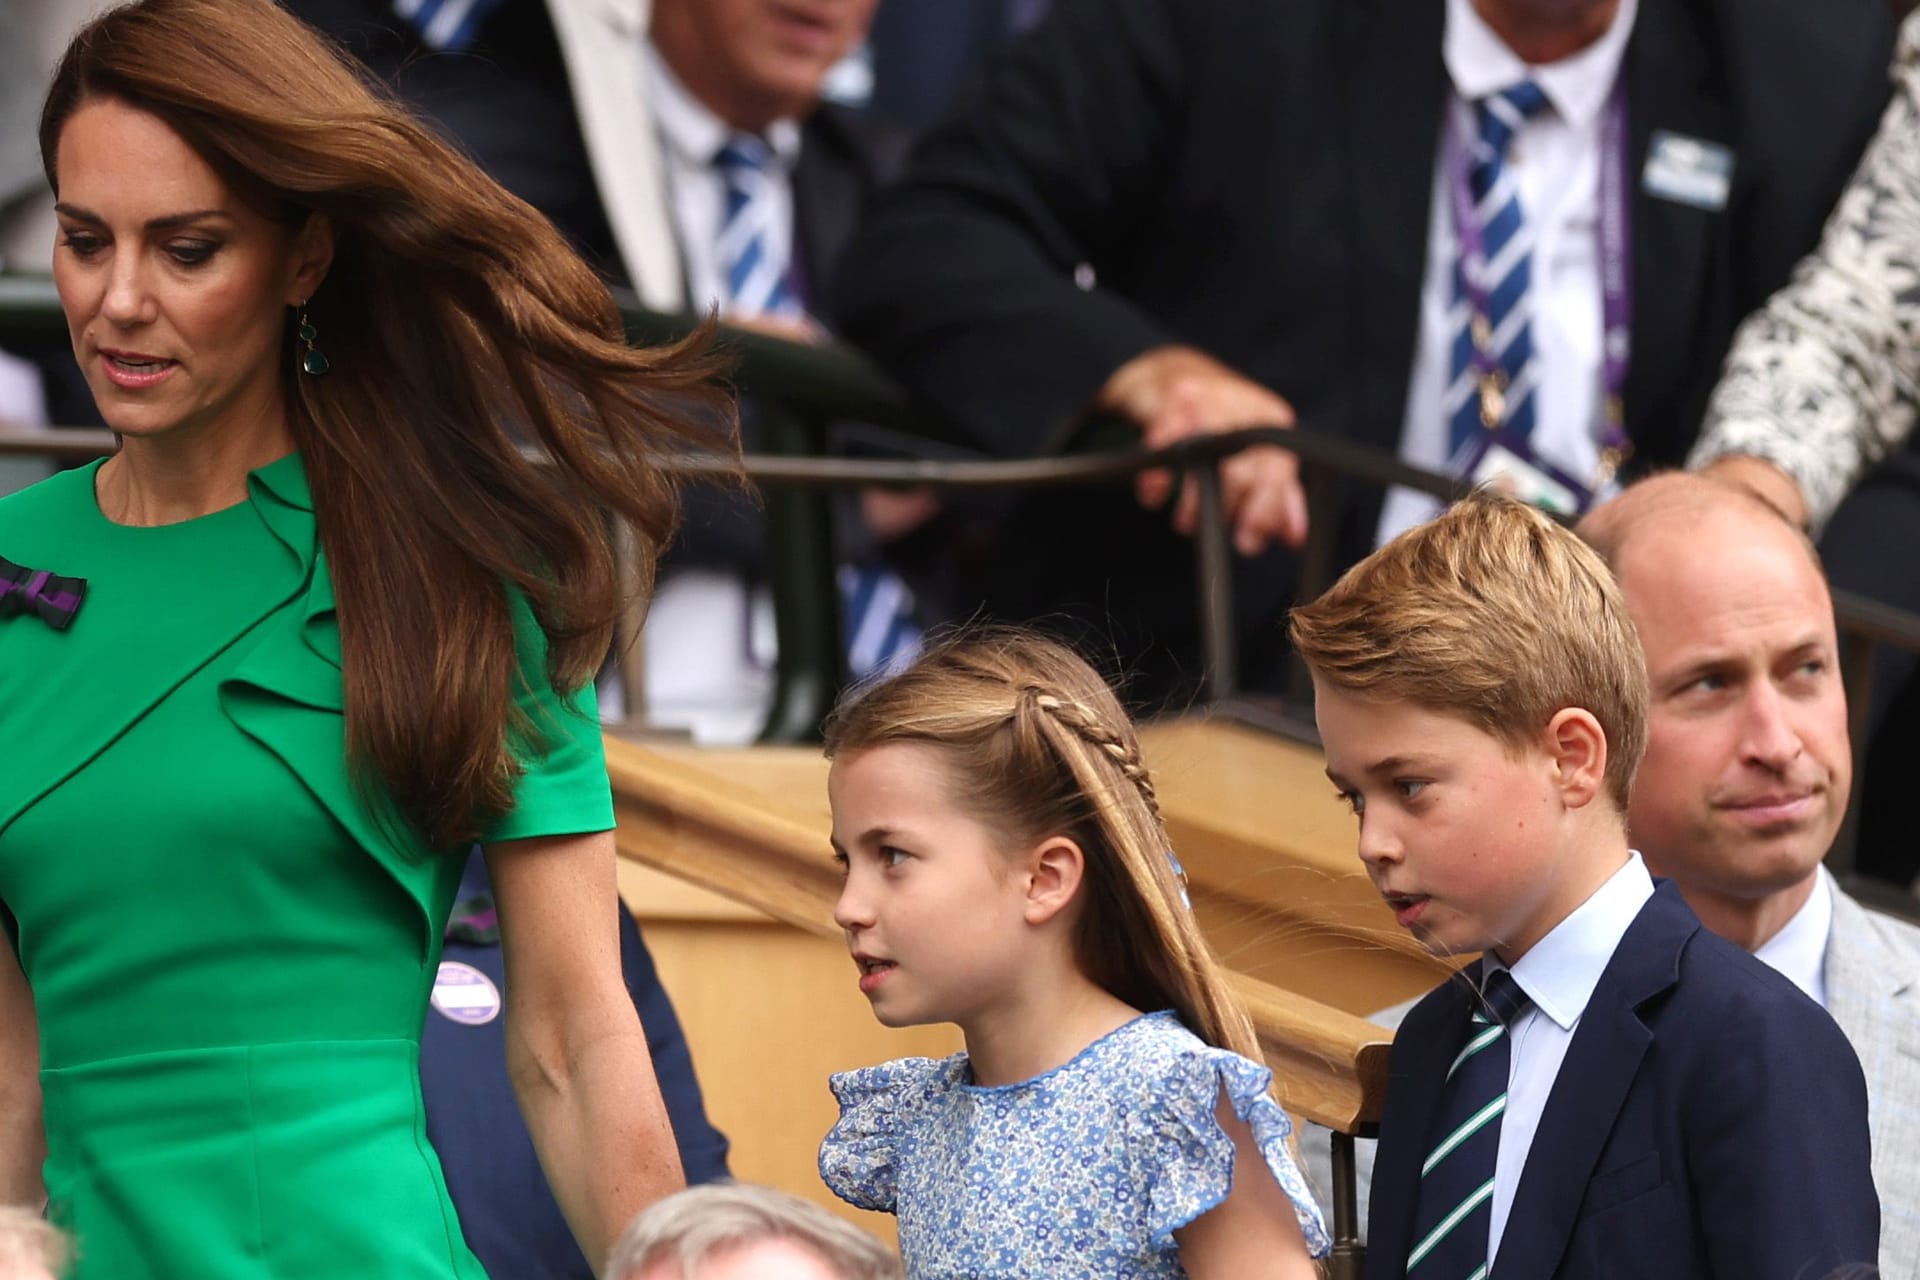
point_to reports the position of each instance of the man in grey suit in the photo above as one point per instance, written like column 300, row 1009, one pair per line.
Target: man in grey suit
column 1746, row 779
column 1745, row 783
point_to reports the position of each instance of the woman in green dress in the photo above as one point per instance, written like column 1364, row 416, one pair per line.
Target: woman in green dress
column 269, row 670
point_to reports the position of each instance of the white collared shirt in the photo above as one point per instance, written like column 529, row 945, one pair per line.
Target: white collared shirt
column 1799, row 951
column 690, row 137
column 1558, row 974
column 1555, row 158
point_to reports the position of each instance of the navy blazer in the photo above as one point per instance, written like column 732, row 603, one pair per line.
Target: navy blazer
column 507, row 1211
column 1709, row 1120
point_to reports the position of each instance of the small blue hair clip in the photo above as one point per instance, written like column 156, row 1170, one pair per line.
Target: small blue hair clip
column 1180, row 874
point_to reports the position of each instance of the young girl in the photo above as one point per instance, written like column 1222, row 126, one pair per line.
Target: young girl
column 1007, row 871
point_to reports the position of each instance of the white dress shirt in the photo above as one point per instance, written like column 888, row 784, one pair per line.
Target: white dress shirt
column 1799, row 951
column 1555, row 159
column 1558, row 974
column 709, row 644
column 690, row 137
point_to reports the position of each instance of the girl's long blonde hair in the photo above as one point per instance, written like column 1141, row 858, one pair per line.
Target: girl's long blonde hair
column 1041, row 747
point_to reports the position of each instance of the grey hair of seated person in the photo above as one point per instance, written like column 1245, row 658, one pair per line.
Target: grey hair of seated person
column 28, row 1240
column 694, row 1225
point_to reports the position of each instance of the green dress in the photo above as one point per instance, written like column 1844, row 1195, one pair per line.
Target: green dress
column 230, row 954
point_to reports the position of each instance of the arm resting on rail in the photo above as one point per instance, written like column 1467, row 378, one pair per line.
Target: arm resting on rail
column 1824, row 380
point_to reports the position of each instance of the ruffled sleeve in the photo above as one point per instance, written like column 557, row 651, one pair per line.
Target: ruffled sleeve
column 1186, row 1158
column 880, row 1108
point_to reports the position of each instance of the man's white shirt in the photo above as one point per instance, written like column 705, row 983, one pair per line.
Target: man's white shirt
column 1555, row 159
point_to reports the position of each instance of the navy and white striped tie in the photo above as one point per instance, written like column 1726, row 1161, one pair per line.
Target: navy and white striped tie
column 1453, row 1209
column 876, row 605
column 446, row 24
column 757, row 279
column 1506, row 275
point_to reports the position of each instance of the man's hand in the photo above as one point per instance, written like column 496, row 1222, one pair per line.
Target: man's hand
column 802, row 329
column 1759, row 476
column 1178, row 392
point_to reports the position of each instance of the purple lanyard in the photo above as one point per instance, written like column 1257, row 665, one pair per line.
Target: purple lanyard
column 1616, row 275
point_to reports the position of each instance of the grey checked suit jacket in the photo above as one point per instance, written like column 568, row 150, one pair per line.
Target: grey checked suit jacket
column 1873, row 992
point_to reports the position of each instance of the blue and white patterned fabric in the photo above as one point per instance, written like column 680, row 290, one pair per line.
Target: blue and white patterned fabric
column 759, row 283
column 1085, row 1171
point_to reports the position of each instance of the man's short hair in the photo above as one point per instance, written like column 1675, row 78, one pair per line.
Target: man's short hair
column 1652, row 504
column 1494, row 613
column 693, row 1225
column 28, row 1240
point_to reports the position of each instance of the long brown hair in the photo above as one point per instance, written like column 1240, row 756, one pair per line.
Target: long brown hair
column 459, row 324
column 1041, row 747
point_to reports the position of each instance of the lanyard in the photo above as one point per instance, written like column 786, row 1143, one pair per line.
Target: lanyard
column 1616, row 283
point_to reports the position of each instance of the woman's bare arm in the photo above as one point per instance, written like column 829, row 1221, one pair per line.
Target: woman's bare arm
column 575, row 1048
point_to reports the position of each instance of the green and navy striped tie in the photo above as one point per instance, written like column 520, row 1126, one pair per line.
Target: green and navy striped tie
column 1453, row 1212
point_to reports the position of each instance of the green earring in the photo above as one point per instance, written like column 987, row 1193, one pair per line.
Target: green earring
column 313, row 362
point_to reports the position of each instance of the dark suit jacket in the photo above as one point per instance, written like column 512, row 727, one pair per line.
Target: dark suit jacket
column 845, row 156
column 1709, row 1121
column 507, row 102
column 507, row 1212
column 1254, row 178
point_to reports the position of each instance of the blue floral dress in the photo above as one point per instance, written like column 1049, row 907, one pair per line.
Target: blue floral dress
column 1084, row 1171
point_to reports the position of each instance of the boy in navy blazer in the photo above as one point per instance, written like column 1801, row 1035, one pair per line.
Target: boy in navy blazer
column 1610, row 1090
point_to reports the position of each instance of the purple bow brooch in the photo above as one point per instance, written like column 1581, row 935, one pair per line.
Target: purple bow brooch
column 49, row 597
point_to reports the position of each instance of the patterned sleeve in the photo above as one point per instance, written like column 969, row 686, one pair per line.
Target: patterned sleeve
column 563, row 789
column 1189, row 1157
column 1824, row 380
column 877, row 1106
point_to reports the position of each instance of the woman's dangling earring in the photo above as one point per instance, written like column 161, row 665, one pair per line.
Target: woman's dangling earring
column 313, row 362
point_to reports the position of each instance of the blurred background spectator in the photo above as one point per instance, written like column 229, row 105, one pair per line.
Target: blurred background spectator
column 684, row 145
column 923, row 52
column 736, row 1231
column 39, row 382
column 31, row 1248
column 1205, row 213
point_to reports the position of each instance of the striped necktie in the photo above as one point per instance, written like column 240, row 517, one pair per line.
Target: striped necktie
column 757, row 280
column 1505, row 275
column 446, row 24
column 876, row 605
column 1453, row 1210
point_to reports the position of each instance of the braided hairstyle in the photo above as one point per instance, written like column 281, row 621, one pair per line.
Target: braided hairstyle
column 1040, row 748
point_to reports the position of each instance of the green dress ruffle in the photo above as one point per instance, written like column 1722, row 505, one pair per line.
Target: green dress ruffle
column 230, row 954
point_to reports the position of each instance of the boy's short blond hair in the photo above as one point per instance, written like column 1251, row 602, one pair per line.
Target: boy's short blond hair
column 1493, row 613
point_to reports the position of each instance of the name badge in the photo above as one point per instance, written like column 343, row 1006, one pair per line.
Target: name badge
column 463, row 994
column 1491, row 462
column 1690, row 171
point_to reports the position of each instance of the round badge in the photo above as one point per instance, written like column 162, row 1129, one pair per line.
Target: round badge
column 465, row 995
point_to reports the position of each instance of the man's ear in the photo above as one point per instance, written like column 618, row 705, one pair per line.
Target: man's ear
column 1577, row 746
column 312, row 258
column 1056, row 867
